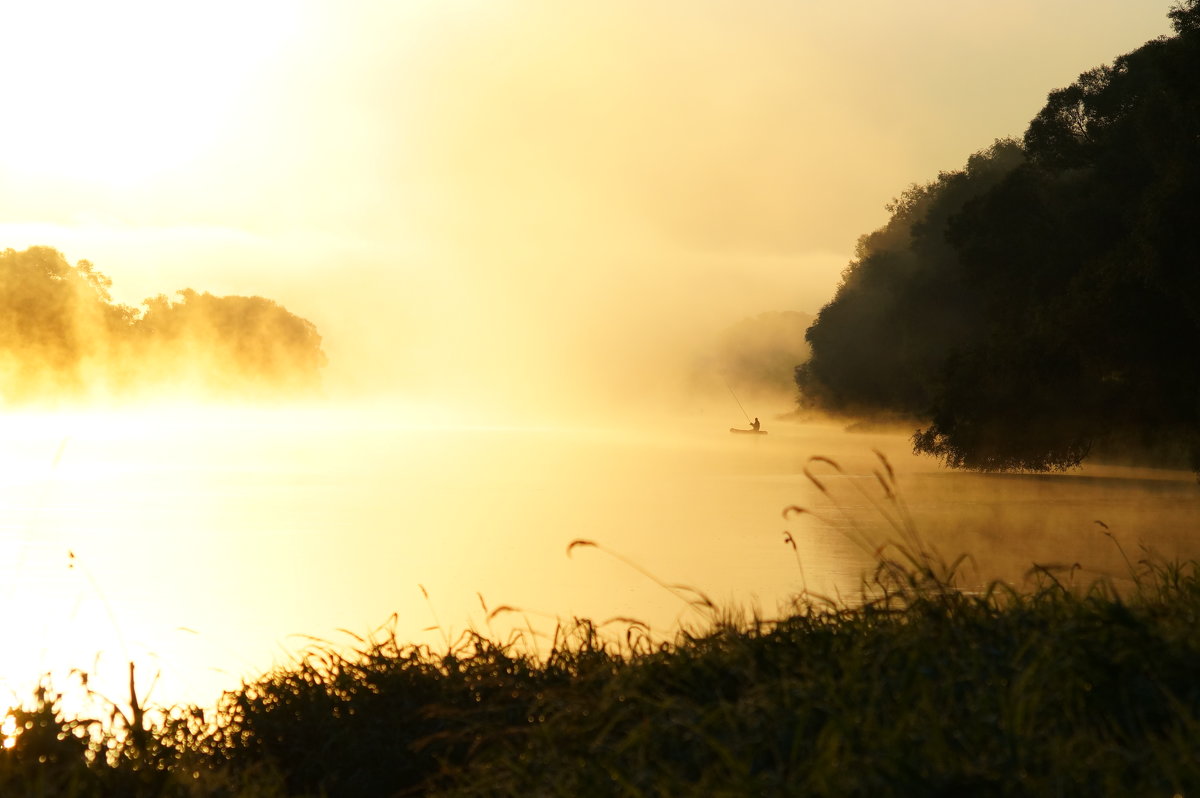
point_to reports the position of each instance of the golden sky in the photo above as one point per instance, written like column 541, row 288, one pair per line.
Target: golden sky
column 512, row 194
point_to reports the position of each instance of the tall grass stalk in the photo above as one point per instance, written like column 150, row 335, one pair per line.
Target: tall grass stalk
column 917, row 687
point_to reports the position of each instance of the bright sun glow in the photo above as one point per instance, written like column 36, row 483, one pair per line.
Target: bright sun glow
column 115, row 94
column 525, row 231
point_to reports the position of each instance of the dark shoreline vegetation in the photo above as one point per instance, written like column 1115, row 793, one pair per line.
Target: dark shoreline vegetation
column 923, row 685
column 1041, row 305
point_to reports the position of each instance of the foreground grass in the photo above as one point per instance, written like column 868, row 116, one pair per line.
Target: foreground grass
column 919, row 688
column 922, row 689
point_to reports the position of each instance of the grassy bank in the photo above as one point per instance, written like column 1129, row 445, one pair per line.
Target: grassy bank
column 919, row 688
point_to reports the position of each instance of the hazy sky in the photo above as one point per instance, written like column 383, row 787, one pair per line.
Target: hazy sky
column 497, row 199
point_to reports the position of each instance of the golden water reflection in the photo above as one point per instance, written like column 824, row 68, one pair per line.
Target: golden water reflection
column 205, row 545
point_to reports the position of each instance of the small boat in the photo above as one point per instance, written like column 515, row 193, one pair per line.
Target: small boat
column 748, row 431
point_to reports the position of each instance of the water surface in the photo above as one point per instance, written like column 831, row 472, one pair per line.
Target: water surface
column 204, row 545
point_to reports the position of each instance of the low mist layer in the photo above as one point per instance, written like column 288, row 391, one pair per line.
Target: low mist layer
column 755, row 358
column 63, row 338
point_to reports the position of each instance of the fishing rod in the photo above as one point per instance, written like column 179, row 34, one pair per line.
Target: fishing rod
column 739, row 402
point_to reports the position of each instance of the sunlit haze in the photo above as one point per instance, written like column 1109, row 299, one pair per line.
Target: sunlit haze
column 531, row 207
column 524, row 230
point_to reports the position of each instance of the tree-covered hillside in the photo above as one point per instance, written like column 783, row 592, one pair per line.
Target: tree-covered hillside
column 1045, row 299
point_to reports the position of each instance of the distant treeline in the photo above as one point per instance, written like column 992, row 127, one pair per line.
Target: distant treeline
column 62, row 336
column 1044, row 301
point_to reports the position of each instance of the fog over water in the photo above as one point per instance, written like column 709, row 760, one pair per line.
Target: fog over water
column 521, row 230
column 527, row 206
column 204, row 543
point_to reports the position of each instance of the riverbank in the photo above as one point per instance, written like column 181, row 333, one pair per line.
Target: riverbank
column 920, row 688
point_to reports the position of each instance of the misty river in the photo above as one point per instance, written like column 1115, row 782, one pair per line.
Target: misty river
column 207, row 545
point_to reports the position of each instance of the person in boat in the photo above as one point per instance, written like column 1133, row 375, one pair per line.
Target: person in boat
column 755, row 424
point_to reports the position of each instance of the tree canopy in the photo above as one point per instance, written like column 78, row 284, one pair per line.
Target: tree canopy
column 62, row 336
column 1045, row 300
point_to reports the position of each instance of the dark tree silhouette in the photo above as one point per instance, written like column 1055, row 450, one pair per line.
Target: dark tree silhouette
column 1054, row 310
column 902, row 305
